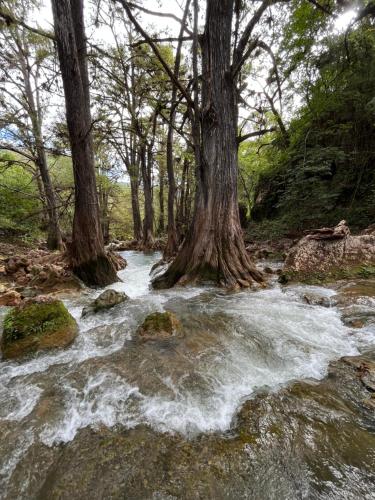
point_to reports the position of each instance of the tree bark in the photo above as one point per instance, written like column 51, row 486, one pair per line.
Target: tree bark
column 148, row 222
column 54, row 237
column 89, row 260
column 214, row 248
column 136, row 212
column 161, row 226
column 181, row 215
column 172, row 239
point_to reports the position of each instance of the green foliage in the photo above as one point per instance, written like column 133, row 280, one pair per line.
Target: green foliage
column 327, row 171
column 19, row 203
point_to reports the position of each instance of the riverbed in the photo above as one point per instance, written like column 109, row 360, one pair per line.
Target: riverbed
column 238, row 406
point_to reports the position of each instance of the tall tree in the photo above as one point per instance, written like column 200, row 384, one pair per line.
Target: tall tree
column 172, row 241
column 23, row 64
column 89, row 259
column 214, row 247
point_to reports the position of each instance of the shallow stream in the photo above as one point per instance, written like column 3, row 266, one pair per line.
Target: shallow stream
column 268, row 347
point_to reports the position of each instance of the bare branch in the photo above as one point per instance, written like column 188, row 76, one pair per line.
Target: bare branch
column 154, row 48
column 10, row 19
column 257, row 133
column 160, row 14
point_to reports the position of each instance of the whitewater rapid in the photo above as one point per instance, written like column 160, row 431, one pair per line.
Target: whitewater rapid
column 234, row 345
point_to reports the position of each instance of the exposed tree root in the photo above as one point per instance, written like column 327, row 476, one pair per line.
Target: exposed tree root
column 224, row 263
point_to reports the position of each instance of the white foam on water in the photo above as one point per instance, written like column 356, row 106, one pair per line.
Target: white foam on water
column 267, row 338
column 276, row 340
column 102, row 401
column 18, row 401
column 9, row 462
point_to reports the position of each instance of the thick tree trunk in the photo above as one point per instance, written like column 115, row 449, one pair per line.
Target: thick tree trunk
column 214, row 247
column 89, row 261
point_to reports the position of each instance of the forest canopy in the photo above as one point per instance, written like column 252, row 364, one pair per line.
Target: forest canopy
column 184, row 126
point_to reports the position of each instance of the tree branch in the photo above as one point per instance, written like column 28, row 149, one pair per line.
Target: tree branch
column 161, row 40
column 154, row 48
column 160, row 14
column 10, row 19
column 257, row 133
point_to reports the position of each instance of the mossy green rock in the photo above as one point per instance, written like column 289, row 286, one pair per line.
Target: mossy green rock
column 159, row 326
column 37, row 326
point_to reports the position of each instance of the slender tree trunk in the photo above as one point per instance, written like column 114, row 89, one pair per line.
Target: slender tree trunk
column 214, row 248
column 136, row 212
column 180, row 217
column 88, row 256
column 161, row 227
column 148, row 222
column 54, row 237
column 104, row 214
column 172, row 241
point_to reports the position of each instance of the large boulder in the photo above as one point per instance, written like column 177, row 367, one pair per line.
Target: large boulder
column 159, row 326
column 330, row 253
column 35, row 326
column 106, row 300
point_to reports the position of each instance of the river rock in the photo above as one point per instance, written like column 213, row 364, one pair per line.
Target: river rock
column 35, row 326
column 106, row 300
column 317, row 300
column 10, row 298
column 330, row 253
column 159, row 326
column 365, row 370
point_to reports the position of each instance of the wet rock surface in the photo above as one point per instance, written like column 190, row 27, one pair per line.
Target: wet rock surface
column 159, row 326
column 331, row 253
column 37, row 326
column 105, row 301
column 273, row 450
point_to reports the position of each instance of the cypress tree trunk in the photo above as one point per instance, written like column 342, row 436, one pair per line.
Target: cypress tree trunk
column 214, row 248
column 172, row 241
column 161, row 226
column 181, row 216
column 148, row 222
column 137, row 221
column 89, row 260
column 172, row 244
column 54, row 237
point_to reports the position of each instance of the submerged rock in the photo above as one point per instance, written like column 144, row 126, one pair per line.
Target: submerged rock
column 330, row 254
column 365, row 369
column 318, row 300
column 36, row 326
column 106, row 300
column 159, row 326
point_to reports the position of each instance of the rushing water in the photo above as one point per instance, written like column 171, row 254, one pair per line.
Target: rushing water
column 234, row 346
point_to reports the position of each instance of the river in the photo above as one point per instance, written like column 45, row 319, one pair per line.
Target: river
column 239, row 406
